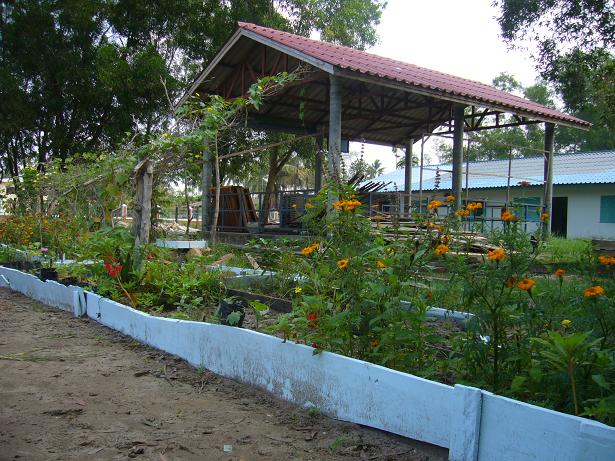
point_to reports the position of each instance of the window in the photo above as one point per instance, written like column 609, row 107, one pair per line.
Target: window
column 607, row 209
column 528, row 207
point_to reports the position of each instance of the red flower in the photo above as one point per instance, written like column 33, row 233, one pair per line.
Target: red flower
column 113, row 269
column 312, row 317
column 315, row 346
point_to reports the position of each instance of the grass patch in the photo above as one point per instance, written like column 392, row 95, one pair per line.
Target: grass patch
column 559, row 250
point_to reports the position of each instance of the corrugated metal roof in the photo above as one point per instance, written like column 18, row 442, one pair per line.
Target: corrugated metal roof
column 576, row 168
column 409, row 74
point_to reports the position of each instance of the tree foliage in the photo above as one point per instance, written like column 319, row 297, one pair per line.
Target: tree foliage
column 519, row 141
column 575, row 42
column 76, row 76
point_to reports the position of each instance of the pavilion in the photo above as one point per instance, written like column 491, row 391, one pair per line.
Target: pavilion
column 352, row 95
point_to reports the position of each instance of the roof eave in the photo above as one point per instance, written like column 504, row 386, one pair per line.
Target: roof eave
column 402, row 86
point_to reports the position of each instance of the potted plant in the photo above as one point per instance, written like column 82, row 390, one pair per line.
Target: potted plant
column 47, row 271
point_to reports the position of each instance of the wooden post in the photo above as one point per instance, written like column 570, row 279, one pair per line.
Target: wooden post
column 144, row 173
column 206, row 177
column 335, row 128
column 408, row 177
column 548, row 176
column 457, row 154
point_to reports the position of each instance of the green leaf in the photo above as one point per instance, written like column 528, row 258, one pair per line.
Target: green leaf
column 233, row 318
column 601, row 381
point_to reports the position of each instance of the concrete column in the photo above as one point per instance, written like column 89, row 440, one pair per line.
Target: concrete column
column 318, row 164
column 408, row 176
column 548, row 175
column 457, row 154
column 206, row 177
column 335, row 128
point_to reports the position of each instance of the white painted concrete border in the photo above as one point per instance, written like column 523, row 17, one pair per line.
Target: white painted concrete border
column 474, row 424
column 52, row 293
column 181, row 244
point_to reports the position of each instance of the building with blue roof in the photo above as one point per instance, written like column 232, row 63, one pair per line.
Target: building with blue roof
column 583, row 184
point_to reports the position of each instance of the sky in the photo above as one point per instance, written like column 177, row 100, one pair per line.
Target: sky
column 459, row 37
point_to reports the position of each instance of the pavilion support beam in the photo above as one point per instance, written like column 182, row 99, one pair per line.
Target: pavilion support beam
column 335, row 128
column 459, row 121
column 548, row 176
column 318, row 164
column 206, row 177
column 408, row 177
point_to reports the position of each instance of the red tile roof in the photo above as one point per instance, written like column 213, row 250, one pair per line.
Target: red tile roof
column 414, row 76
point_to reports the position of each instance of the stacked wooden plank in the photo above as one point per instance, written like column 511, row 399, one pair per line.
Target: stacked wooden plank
column 236, row 209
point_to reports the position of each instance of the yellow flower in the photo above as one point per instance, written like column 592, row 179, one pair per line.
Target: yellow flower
column 559, row 273
column 309, row 206
column 593, row 292
column 441, row 250
column 342, row 263
column 297, row 290
column 380, row 264
column 450, row 198
column 497, row 254
column 526, row 284
column 294, row 205
column 462, row 213
column 566, row 323
column 434, row 205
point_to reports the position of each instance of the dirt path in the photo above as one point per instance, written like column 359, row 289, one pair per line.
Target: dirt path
column 73, row 389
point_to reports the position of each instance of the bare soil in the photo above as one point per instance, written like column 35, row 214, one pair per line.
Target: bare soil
column 71, row 389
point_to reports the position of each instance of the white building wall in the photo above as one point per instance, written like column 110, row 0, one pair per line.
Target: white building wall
column 583, row 219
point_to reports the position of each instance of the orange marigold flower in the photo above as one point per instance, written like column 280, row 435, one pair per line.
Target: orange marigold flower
column 342, row 263
column 544, row 217
column 507, row 216
column 497, row 254
column 441, row 250
column 445, row 239
column 526, row 284
column 473, row 206
column 310, row 249
column 450, row 198
column 593, row 292
column 380, row 264
column 434, row 205
column 373, row 343
column 462, row 213
column 606, row 260
column 559, row 273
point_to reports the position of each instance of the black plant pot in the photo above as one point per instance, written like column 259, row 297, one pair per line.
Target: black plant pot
column 228, row 306
column 47, row 273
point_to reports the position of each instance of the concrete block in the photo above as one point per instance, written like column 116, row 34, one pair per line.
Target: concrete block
column 465, row 423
